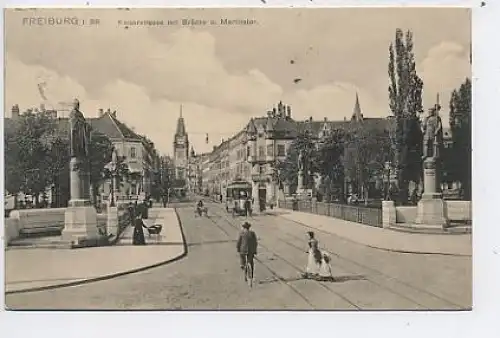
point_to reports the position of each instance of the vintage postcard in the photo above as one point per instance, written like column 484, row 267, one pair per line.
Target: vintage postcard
column 228, row 159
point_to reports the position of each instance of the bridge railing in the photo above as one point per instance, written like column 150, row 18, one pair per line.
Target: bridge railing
column 352, row 213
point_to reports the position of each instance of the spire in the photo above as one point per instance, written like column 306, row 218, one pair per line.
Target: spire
column 356, row 113
column 181, row 129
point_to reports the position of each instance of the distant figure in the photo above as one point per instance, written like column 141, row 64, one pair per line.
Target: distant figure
column 248, row 207
column 314, row 258
column 220, row 198
column 138, row 237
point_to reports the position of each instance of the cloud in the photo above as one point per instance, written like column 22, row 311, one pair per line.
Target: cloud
column 444, row 69
column 221, row 77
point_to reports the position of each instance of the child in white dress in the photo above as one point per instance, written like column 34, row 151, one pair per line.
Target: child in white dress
column 325, row 270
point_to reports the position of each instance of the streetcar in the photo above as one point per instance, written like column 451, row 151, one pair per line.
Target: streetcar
column 237, row 194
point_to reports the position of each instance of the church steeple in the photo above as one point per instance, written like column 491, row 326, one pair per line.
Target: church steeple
column 181, row 128
column 356, row 114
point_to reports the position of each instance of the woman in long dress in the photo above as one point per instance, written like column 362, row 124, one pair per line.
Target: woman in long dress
column 138, row 237
column 314, row 257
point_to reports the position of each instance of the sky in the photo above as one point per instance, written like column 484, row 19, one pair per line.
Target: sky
column 223, row 75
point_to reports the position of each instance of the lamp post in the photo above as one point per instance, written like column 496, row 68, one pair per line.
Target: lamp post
column 113, row 170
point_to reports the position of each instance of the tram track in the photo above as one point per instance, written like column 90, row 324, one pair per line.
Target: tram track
column 275, row 274
column 351, row 261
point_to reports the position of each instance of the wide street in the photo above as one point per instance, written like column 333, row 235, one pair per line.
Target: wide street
column 209, row 276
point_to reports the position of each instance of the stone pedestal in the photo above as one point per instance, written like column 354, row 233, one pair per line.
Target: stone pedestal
column 80, row 224
column 112, row 221
column 431, row 210
column 80, row 218
column 388, row 214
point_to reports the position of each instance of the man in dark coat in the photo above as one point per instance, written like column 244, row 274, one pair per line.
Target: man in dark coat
column 246, row 245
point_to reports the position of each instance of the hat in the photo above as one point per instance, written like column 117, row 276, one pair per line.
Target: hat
column 246, row 225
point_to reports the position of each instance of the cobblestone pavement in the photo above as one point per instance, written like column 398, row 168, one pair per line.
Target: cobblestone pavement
column 210, row 278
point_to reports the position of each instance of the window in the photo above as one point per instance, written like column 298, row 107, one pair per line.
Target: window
column 248, row 151
column 270, row 149
column 132, row 152
column 262, row 151
column 281, row 150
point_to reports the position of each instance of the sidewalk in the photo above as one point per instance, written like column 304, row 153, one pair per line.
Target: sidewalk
column 457, row 245
column 39, row 268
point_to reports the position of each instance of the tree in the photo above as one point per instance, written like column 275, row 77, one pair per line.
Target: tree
column 27, row 154
column 305, row 147
column 405, row 102
column 101, row 152
column 288, row 169
column 58, row 171
column 460, row 125
column 366, row 151
column 329, row 159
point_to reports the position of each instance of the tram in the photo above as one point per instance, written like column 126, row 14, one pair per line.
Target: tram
column 237, row 194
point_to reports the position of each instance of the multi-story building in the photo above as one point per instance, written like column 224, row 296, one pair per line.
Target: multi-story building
column 195, row 172
column 181, row 150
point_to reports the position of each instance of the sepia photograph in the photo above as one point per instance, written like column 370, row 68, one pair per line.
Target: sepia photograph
column 238, row 159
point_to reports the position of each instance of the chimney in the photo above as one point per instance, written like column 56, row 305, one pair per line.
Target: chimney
column 326, row 119
column 15, row 112
column 344, row 119
column 289, row 112
column 114, row 113
column 269, row 113
column 101, row 112
column 310, row 118
column 42, row 107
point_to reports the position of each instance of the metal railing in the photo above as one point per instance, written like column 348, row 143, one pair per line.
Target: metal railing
column 358, row 214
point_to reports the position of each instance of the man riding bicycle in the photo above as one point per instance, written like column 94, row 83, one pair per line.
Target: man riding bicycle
column 200, row 204
column 246, row 245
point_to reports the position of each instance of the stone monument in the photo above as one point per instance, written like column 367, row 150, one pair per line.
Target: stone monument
column 431, row 209
column 80, row 218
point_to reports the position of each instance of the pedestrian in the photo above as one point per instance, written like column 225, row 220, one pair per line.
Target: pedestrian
column 314, row 258
column 325, row 270
column 138, row 237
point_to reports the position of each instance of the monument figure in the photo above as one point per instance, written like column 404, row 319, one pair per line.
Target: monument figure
column 80, row 218
column 432, row 128
column 431, row 212
column 79, row 133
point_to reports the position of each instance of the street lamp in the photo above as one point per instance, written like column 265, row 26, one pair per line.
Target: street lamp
column 113, row 170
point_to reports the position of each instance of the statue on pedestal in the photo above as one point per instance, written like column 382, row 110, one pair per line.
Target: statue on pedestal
column 432, row 128
column 79, row 133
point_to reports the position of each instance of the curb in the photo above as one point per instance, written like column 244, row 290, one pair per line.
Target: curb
column 114, row 275
column 380, row 248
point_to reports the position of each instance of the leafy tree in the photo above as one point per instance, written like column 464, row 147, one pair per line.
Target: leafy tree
column 460, row 125
column 101, row 151
column 288, row 169
column 306, row 149
column 405, row 102
column 365, row 154
column 329, row 160
column 58, row 170
column 28, row 154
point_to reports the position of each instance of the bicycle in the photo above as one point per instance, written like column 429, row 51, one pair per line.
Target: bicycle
column 248, row 271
